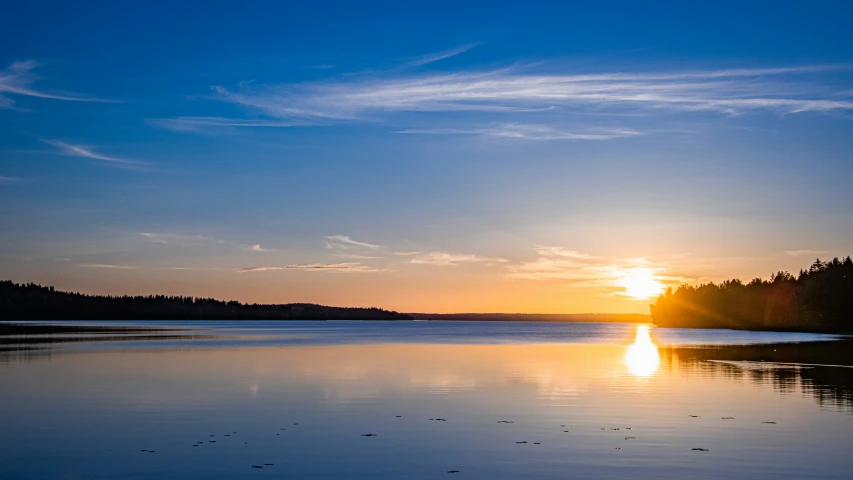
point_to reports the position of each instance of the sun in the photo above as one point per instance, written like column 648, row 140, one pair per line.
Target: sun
column 639, row 283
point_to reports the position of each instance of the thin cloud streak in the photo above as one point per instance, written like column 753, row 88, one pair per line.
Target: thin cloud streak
column 725, row 91
column 344, row 242
column 435, row 57
column 528, row 132
column 445, row 259
column 180, row 239
column 85, row 151
column 202, row 124
column 17, row 79
column 107, row 266
column 349, row 267
column 355, row 256
column 199, row 269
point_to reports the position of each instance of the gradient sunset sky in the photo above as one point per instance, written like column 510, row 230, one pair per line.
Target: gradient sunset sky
column 422, row 157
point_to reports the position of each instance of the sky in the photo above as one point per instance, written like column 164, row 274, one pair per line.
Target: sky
column 548, row 157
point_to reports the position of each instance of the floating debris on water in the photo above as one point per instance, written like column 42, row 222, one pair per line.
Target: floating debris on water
column 771, row 423
column 694, row 416
column 505, row 421
column 521, row 442
column 727, row 418
column 630, row 438
column 700, row 449
column 368, row 434
column 453, row 471
column 257, row 466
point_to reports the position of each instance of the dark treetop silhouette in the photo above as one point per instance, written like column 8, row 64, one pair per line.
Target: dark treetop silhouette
column 35, row 302
column 819, row 299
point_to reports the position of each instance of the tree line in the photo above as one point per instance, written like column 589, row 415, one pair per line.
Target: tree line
column 819, row 299
column 35, row 302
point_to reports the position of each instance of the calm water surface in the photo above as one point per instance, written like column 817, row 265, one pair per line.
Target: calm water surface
column 589, row 400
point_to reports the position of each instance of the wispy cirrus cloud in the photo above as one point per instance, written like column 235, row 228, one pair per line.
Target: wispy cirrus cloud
column 355, row 256
column 107, row 266
column 446, row 259
column 344, row 242
column 803, row 253
column 180, row 239
column 529, row 102
column 199, row 269
column 727, row 91
column 435, row 57
column 190, row 240
column 18, row 79
column 530, row 132
column 87, row 151
column 349, row 267
column 204, row 124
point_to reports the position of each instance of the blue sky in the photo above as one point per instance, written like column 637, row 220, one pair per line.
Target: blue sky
column 447, row 156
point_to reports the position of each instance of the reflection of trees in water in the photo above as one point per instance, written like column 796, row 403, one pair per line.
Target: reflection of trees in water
column 829, row 386
column 23, row 354
column 24, row 343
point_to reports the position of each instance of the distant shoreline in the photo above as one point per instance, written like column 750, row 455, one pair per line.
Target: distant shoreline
column 36, row 302
column 536, row 317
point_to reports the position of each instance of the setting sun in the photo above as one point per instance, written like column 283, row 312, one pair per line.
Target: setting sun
column 639, row 283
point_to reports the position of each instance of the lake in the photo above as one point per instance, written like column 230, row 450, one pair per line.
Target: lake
column 418, row 400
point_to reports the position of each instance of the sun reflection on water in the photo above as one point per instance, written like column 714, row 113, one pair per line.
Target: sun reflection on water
column 642, row 358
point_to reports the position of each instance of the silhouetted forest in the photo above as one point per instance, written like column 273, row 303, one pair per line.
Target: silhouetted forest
column 35, row 302
column 819, row 299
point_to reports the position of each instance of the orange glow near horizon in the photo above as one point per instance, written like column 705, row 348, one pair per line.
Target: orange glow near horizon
column 555, row 282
